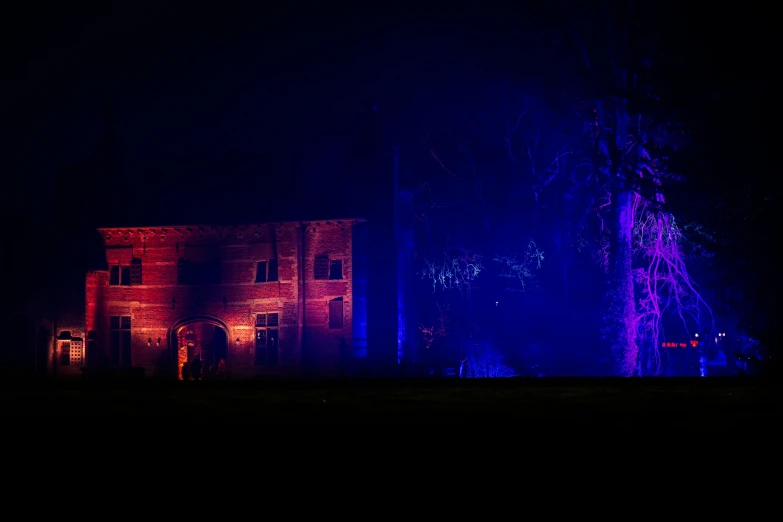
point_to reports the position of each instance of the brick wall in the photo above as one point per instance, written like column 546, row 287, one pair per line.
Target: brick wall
column 323, row 344
column 159, row 304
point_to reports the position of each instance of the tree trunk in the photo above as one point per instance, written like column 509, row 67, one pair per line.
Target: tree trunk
column 621, row 313
column 622, row 305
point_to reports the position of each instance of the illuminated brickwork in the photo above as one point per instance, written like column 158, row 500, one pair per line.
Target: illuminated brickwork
column 163, row 282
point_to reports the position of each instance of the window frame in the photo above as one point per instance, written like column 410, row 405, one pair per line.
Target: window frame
column 332, row 261
column 267, row 268
column 317, row 260
column 124, row 335
column 266, row 328
column 329, row 262
column 124, row 269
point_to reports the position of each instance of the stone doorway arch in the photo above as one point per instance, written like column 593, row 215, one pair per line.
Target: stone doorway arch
column 204, row 336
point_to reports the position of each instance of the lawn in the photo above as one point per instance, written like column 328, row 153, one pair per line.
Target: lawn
column 690, row 404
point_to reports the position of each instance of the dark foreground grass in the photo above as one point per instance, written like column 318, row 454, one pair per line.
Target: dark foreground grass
column 689, row 404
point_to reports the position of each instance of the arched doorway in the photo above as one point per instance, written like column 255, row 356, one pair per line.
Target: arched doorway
column 199, row 347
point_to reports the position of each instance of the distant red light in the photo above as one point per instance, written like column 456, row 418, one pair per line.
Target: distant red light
column 679, row 345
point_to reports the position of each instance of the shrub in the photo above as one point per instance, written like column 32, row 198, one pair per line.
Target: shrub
column 484, row 362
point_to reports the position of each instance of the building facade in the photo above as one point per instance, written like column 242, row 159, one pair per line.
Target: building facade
column 234, row 301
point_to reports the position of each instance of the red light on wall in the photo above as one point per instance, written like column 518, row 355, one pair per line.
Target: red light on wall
column 694, row 343
column 682, row 345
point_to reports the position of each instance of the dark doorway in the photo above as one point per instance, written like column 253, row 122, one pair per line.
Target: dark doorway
column 202, row 338
column 220, row 345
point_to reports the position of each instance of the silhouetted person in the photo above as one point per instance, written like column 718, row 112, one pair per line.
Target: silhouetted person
column 221, row 369
column 185, row 372
column 197, row 368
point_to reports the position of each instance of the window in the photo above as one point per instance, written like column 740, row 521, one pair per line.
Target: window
column 77, row 352
column 321, row 267
column 119, row 275
column 336, row 313
column 328, row 269
column 266, row 271
column 125, row 275
column 266, row 339
column 135, row 271
column 336, row 269
column 120, row 330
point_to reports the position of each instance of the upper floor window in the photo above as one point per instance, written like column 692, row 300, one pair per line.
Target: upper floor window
column 336, row 269
column 266, row 271
column 321, row 267
column 135, row 271
column 326, row 268
column 125, row 275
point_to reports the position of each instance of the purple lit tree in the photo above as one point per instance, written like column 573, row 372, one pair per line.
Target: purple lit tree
column 661, row 286
column 567, row 177
column 665, row 286
column 642, row 246
column 606, row 177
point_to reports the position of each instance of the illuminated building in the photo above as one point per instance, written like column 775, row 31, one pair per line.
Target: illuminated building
column 266, row 299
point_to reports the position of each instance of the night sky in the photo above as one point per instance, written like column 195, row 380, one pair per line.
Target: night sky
column 120, row 115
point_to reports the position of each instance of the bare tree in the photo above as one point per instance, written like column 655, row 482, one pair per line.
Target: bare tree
column 630, row 150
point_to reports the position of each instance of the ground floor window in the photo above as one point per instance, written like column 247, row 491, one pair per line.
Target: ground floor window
column 120, row 339
column 266, row 353
column 76, row 355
